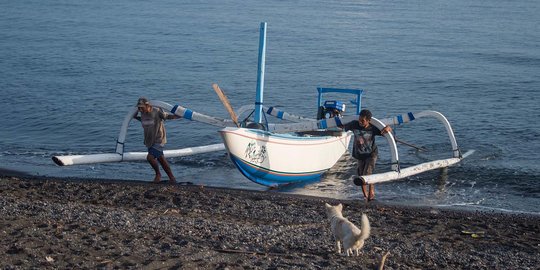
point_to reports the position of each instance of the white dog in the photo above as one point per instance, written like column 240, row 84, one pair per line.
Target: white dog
column 345, row 232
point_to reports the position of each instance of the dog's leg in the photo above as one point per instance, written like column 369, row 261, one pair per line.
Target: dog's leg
column 338, row 247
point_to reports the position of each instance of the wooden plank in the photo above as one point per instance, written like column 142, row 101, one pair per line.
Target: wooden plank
column 226, row 103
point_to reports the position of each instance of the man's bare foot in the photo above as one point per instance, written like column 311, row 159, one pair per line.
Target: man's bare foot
column 157, row 179
column 172, row 181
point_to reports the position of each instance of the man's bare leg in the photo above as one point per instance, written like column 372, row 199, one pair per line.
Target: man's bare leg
column 167, row 169
column 153, row 162
column 371, row 192
column 364, row 191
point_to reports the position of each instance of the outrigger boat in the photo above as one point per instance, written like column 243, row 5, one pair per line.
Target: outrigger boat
column 273, row 154
column 272, row 158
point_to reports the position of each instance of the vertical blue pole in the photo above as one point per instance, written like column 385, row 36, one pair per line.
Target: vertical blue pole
column 260, row 74
column 319, row 98
column 358, row 104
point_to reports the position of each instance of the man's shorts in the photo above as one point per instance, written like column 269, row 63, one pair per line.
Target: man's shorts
column 365, row 167
column 156, row 150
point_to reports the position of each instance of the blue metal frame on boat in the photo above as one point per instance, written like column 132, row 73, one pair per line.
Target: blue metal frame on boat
column 357, row 92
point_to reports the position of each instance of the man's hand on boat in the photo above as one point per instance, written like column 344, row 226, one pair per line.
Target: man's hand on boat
column 386, row 129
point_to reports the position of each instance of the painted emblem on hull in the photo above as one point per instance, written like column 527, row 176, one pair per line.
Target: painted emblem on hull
column 255, row 153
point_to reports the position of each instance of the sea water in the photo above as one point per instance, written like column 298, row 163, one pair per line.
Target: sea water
column 71, row 70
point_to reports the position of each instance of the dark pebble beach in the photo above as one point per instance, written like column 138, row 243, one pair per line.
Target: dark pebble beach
column 49, row 223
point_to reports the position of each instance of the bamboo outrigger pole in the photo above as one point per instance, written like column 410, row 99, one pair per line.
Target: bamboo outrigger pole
column 412, row 170
column 132, row 156
column 119, row 155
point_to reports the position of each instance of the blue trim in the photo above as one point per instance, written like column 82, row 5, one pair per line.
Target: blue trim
column 174, row 109
column 411, row 116
column 338, row 90
column 269, row 178
column 338, row 122
column 280, row 115
column 270, row 110
column 322, row 124
column 188, row 114
column 400, row 119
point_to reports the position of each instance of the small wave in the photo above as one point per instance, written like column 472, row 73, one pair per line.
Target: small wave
column 486, row 208
column 464, row 203
column 211, row 160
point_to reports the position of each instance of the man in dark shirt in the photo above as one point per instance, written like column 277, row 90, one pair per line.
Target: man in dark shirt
column 365, row 149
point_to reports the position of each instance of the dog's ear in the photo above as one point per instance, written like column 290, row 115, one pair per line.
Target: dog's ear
column 327, row 205
column 340, row 207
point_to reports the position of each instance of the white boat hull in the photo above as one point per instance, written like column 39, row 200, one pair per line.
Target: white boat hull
column 274, row 159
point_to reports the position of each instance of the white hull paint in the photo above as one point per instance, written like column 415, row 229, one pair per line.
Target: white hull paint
column 278, row 159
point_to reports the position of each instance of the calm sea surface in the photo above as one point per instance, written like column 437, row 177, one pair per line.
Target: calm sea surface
column 71, row 70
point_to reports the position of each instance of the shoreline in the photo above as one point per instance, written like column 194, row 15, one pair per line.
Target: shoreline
column 63, row 223
column 4, row 172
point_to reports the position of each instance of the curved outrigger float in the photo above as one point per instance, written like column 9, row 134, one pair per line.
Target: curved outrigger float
column 271, row 154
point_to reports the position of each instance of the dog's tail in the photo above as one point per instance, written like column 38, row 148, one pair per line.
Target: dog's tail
column 366, row 228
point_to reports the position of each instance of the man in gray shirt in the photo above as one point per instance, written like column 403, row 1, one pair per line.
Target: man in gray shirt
column 155, row 136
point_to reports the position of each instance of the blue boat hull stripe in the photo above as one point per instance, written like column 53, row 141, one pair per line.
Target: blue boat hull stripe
column 272, row 178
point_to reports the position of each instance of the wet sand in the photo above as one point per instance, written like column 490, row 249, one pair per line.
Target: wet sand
column 74, row 223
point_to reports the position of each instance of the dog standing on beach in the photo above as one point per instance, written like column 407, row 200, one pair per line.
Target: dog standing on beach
column 345, row 232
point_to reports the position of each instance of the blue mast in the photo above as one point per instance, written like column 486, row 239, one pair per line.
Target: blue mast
column 260, row 74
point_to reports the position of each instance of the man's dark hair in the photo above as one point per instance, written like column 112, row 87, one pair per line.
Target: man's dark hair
column 366, row 114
